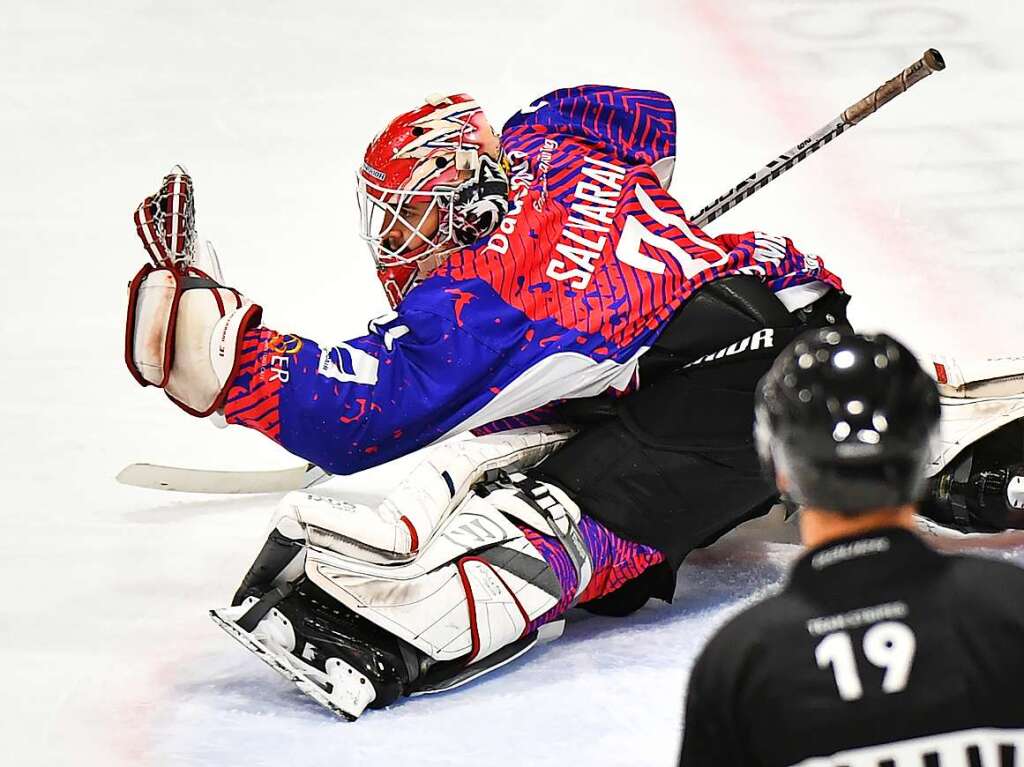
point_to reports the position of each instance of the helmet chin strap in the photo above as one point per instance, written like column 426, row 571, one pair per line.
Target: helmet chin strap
column 467, row 160
column 430, row 262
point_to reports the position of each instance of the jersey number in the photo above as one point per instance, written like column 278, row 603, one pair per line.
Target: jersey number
column 889, row 645
column 634, row 232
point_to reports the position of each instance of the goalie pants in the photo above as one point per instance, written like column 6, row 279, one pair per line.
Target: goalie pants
column 673, row 465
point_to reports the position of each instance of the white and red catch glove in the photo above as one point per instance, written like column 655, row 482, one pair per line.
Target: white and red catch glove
column 183, row 328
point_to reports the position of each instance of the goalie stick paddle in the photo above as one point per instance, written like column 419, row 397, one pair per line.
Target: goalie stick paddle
column 182, row 480
column 930, row 62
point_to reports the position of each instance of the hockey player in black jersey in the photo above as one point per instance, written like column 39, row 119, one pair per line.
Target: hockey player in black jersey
column 879, row 651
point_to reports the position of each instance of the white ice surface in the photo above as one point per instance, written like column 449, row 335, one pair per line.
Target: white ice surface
column 108, row 656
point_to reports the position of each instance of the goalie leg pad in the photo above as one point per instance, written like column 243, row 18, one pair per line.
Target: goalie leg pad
column 474, row 588
column 469, row 598
column 989, row 377
column 483, row 591
column 182, row 334
column 977, row 398
column 407, row 519
column 547, row 508
column 974, row 468
column 496, row 617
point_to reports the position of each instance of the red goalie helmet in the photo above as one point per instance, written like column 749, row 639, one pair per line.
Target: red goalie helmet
column 432, row 181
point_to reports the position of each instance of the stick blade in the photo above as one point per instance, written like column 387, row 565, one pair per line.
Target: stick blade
column 185, row 480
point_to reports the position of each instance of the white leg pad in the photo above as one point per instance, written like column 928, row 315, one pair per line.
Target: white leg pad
column 496, row 618
column 989, row 377
column 403, row 524
column 977, row 397
column 448, row 604
column 966, row 420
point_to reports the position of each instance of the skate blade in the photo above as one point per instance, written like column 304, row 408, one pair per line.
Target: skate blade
column 283, row 665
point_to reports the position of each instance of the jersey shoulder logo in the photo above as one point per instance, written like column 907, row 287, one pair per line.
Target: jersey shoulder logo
column 529, row 109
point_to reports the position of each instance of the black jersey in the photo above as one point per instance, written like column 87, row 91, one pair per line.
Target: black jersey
column 879, row 651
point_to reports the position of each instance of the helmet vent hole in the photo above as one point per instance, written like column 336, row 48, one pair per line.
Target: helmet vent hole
column 841, row 431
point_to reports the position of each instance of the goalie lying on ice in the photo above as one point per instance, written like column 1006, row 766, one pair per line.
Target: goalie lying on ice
column 544, row 278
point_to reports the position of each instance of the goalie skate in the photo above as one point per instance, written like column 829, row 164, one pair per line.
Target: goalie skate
column 317, row 685
column 323, row 655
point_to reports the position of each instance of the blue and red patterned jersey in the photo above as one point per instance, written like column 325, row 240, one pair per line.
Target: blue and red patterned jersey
column 591, row 262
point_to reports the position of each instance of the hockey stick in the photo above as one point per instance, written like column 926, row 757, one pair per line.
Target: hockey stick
column 930, row 62
column 182, row 480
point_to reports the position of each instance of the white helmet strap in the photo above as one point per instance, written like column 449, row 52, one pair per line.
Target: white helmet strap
column 467, row 159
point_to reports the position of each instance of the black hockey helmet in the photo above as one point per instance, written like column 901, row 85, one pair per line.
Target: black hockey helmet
column 848, row 419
